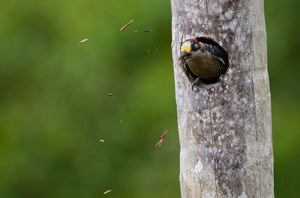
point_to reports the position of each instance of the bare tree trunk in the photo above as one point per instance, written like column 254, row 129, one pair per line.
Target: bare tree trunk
column 225, row 128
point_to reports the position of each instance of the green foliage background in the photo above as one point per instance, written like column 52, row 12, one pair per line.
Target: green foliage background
column 55, row 108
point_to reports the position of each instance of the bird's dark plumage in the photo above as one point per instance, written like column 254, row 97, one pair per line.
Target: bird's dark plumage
column 203, row 59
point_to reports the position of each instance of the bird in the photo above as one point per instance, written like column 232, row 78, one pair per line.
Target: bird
column 203, row 60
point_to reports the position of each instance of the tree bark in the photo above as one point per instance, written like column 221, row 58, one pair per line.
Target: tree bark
column 225, row 128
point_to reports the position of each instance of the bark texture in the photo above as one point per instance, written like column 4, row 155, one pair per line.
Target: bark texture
column 225, row 128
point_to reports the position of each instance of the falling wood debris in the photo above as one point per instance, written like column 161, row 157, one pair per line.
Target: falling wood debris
column 101, row 140
column 83, row 41
column 162, row 138
column 126, row 25
column 106, row 192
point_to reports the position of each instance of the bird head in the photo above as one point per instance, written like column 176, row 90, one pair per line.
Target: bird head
column 189, row 47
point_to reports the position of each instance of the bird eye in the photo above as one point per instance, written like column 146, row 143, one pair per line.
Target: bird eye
column 195, row 46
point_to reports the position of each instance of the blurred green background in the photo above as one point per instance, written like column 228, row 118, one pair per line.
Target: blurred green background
column 55, row 106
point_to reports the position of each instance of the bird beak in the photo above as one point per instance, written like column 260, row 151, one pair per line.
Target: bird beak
column 185, row 50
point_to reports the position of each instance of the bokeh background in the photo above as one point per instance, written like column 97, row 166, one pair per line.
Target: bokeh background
column 55, row 104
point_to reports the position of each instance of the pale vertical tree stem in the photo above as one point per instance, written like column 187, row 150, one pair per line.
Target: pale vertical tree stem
column 225, row 128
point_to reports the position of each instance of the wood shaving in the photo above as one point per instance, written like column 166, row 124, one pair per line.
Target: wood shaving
column 126, row 25
column 106, row 192
column 83, row 41
column 162, row 138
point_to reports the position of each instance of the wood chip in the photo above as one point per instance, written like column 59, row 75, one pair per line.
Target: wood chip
column 126, row 25
column 109, row 94
column 106, row 192
column 101, row 140
column 146, row 30
column 162, row 138
column 83, row 41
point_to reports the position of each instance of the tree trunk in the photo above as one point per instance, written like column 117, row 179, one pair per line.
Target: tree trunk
column 225, row 128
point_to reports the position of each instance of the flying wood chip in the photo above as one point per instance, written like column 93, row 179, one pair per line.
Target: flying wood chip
column 83, row 41
column 106, row 192
column 126, row 25
column 162, row 138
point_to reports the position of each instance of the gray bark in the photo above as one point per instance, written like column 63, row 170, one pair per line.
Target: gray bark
column 225, row 128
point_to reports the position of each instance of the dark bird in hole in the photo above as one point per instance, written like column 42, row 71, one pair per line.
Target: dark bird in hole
column 203, row 60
